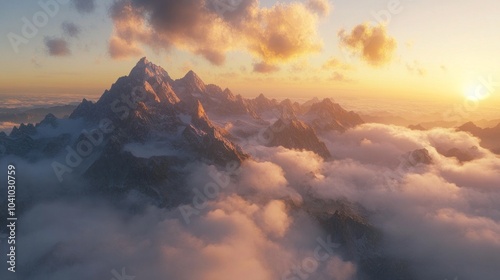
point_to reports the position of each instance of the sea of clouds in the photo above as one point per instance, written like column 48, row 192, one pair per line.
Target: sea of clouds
column 443, row 217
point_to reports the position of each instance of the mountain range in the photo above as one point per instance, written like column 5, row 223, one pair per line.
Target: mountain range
column 145, row 132
column 188, row 115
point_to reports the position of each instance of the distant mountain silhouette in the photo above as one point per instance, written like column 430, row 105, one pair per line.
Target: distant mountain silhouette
column 490, row 137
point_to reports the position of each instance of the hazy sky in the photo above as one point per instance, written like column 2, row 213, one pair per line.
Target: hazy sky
column 294, row 48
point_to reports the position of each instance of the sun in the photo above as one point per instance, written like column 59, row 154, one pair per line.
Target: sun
column 476, row 92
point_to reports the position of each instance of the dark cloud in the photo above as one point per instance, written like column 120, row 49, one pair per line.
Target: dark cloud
column 84, row 6
column 57, row 46
column 233, row 11
column 322, row 7
column 372, row 43
column 212, row 28
column 70, row 29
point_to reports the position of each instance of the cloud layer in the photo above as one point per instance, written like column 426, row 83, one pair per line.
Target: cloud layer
column 442, row 217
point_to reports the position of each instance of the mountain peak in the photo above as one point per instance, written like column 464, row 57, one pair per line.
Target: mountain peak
column 471, row 127
column 145, row 70
column 468, row 125
column 262, row 99
column 327, row 101
column 143, row 61
column 295, row 134
column 192, row 77
column 261, row 96
column 192, row 83
column 49, row 119
column 328, row 115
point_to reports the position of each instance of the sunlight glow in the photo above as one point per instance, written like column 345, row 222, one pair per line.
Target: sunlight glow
column 477, row 92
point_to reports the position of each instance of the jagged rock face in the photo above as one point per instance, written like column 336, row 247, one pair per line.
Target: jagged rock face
column 420, row 156
column 160, row 110
column 327, row 115
column 146, row 83
column 294, row 134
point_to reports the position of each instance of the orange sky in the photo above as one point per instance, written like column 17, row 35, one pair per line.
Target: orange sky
column 282, row 49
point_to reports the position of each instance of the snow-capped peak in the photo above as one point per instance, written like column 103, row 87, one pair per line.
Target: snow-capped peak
column 145, row 70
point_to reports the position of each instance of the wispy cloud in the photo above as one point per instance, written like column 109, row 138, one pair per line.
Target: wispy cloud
column 415, row 68
column 70, row 29
column 262, row 67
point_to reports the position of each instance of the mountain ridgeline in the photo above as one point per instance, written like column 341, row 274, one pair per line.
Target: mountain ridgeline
column 148, row 125
column 148, row 105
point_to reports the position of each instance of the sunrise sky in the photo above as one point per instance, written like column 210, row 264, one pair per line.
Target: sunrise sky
column 424, row 49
